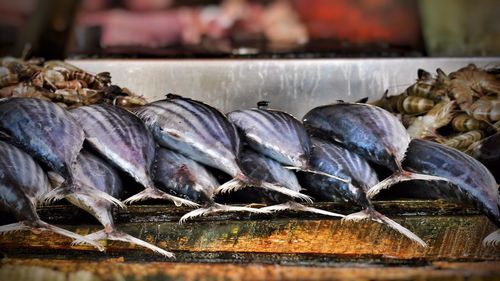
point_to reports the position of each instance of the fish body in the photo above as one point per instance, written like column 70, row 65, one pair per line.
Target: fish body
column 468, row 178
column 181, row 176
column 275, row 134
column 334, row 159
column 203, row 134
column 119, row 136
column 98, row 174
column 23, row 185
column 44, row 130
column 368, row 130
column 196, row 130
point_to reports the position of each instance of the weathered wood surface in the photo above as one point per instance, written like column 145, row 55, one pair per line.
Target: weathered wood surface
column 453, row 232
column 116, row 269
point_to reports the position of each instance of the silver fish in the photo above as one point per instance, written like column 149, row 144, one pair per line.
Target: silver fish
column 263, row 168
column 22, row 189
column 123, row 139
column 202, row 133
column 368, row 130
column 50, row 135
column 336, row 160
column 183, row 177
column 277, row 135
column 97, row 174
column 469, row 180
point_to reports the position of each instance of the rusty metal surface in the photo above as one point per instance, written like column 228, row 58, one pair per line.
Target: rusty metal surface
column 293, row 85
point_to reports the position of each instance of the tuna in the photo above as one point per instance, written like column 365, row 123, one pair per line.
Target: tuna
column 203, row 134
column 263, row 168
column 277, row 135
column 183, row 177
column 123, row 139
column 22, row 189
column 336, row 160
column 368, row 130
column 98, row 174
column 50, row 135
column 468, row 180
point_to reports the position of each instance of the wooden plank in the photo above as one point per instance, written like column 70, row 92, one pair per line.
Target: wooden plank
column 454, row 233
column 116, row 269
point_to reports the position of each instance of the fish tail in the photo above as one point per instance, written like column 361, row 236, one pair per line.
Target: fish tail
column 317, row 173
column 43, row 226
column 230, row 186
column 67, row 189
column 219, row 208
column 294, row 206
column 281, row 189
column 150, row 193
column 124, row 237
column 493, row 239
column 380, row 218
column 400, row 177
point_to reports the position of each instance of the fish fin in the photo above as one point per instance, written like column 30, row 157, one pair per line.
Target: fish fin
column 362, row 100
column 219, row 208
column 493, row 239
column 380, row 218
column 13, row 227
column 124, row 237
column 294, row 206
column 281, row 189
column 62, row 191
column 400, row 177
column 43, row 226
column 150, row 193
column 230, row 186
column 317, row 173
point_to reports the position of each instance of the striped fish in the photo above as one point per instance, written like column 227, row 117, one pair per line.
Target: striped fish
column 183, row 177
column 368, row 130
column 123, row 139
column 469, row 180
column 98, row 174
column 50, row 135
column 23, row 185
column 336, row 160
column 203, row 134
column 263, row 168
column 277, row 135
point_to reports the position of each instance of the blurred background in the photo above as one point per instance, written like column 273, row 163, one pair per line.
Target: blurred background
column 249, row 28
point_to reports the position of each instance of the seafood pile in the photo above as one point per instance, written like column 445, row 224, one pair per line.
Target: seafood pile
column 460, row 110
column 176, row 149
column 60, row 82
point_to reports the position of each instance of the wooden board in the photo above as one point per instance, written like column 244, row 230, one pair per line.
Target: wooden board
column 300, row 242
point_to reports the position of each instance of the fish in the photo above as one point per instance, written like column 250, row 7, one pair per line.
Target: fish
column 263, row 168
column 22, row 189
column 123, row 139
column 202, row 133
column 98, row 174
column 469, row 180
column 277, row 135
column 183, row 177
column 369, row 131
column 334, row 159
column 51, row 136
column 486, row 151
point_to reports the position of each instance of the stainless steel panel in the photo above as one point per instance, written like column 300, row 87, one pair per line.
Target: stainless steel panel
column 291, row 85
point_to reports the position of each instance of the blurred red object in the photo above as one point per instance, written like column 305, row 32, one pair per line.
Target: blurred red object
column 362, row 21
